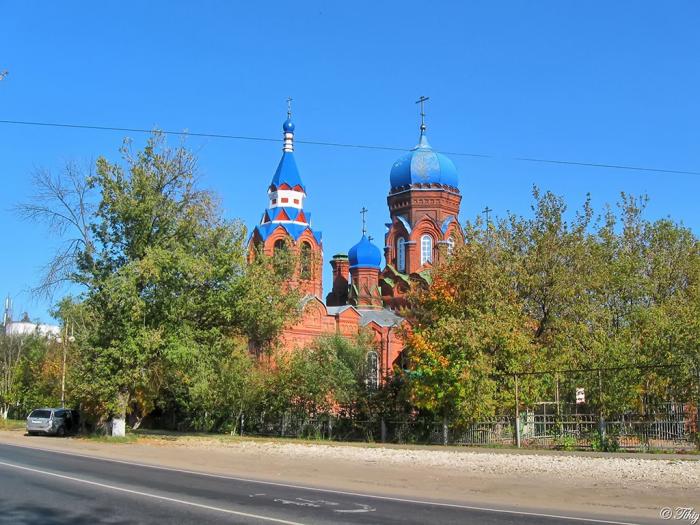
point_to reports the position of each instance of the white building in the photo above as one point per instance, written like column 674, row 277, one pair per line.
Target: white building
column 29, row 328
column 26, row 326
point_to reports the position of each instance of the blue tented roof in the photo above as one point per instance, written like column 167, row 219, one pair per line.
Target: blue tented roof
column 287, row 172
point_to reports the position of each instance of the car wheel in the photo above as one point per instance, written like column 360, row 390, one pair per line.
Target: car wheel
column 61, row 432
column 31, row 433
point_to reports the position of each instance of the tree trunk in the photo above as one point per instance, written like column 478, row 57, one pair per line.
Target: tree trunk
column 4, row 411
column 118, row 427
column 137, row 422
column 119, row 421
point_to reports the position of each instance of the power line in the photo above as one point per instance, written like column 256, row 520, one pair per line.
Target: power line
column 346, row 145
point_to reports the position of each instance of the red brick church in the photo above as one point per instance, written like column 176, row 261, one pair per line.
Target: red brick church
column 423, row 204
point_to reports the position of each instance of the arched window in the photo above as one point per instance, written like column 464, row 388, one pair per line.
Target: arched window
column 306, row 260
column 279, row 246
column 401, row 254
column 282, row 261
column 426, row 249
column 372, row 370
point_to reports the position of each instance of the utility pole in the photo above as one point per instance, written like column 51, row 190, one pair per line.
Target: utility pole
column 63, row 341
column 556, row 379
column 517, row 413
column 601, row 423
column 697, row 411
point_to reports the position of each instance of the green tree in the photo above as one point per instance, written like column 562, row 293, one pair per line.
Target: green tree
column 226, row 385
column 327, row 376
column 165, row 276
column 30, row 372
column 467, row 326
column 12, row 361
column 559, row 291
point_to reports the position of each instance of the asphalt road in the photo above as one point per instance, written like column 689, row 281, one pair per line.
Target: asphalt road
column 49, row 488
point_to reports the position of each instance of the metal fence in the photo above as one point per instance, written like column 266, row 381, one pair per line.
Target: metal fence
column 673, row 426
column 673, row 430
column 621, row 408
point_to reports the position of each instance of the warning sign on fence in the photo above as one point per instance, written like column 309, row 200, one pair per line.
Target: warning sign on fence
column 580, row 396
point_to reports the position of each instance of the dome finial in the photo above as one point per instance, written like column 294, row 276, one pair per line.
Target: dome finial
column 422, row 100
column 288, row 128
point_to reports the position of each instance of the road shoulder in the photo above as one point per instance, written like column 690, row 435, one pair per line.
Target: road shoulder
column 629, row 487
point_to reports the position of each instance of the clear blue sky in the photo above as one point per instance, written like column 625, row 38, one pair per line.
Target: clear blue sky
column 599, row 81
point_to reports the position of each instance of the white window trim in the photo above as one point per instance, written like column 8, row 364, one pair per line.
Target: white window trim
column 401, row 254
column 426, row 256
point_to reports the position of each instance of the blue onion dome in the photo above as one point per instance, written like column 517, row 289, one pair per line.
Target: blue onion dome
column 288, row 126
column 365, row 255
column 422, row 165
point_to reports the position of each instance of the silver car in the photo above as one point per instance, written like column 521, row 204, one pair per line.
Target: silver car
column 52, row 421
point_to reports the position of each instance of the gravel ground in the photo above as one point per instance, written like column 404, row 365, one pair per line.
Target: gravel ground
column 654, row 472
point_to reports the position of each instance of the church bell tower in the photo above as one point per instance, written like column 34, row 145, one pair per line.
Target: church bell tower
column 285, row 225
column 423, row 200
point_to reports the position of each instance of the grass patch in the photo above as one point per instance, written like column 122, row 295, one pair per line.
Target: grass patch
column 101, row 438
column 13, row 424
column 506, row 448
column 668, row 451
column 164, row 436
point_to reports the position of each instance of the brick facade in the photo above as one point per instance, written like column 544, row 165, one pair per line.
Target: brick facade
column 423, row 206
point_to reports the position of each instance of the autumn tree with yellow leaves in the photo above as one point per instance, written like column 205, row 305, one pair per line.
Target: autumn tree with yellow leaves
column 558, row 291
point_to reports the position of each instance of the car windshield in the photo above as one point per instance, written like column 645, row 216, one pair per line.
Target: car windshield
column 41, row 413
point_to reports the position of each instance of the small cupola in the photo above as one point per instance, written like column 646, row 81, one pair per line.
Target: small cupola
column 365, row 255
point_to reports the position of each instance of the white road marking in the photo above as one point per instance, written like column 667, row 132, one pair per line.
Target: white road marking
column 297, row 503
column 363, row 508
column 320, row 502
column 149, row 495
column 329, row 491
column 316, row 503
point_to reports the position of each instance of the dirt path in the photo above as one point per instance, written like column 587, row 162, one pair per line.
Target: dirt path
column 628, row 487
